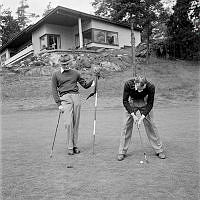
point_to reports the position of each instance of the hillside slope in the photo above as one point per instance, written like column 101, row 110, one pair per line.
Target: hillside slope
column 177, row 82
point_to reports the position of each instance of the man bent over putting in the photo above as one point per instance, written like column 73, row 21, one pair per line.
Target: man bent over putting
column 138, row 95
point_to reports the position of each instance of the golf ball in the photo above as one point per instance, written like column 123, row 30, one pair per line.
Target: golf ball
column 141, row 162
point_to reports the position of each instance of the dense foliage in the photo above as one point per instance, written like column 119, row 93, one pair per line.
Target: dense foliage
column 8, row 26
column 183, row 32
column 178, row 30
column 146, row 13
column 48, row 9
column 23, row 17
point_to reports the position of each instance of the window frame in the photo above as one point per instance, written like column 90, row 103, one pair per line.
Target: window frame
column 106, row 31
column 77, row 38
column 92, row 39
column 48, row 46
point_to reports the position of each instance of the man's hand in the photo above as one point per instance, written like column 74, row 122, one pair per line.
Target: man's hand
column 93, row 84
column 61, row 108
column 140, row 121
column 135, row 118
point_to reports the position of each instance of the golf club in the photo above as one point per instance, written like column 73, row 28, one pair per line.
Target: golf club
column 142, row 145
column 55, row 134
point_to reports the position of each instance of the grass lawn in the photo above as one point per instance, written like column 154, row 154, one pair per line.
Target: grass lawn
column 28, row 121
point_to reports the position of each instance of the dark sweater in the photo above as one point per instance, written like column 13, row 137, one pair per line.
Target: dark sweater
column 66, row 82
column 129, row 91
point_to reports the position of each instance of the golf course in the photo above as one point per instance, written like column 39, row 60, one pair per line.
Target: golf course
column 28, row 121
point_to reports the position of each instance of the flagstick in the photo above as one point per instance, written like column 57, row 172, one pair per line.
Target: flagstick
column 95, row 116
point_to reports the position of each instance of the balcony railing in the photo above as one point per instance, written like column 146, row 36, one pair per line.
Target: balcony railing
column 19, row 56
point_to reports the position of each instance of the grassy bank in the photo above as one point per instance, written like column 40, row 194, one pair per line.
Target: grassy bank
column 175, row 81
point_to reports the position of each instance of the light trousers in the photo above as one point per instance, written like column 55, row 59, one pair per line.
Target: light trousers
column 72, row 105
column 150, row 128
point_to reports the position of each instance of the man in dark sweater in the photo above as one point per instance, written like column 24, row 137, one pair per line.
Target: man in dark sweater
column 66, row 94
column 138, row 95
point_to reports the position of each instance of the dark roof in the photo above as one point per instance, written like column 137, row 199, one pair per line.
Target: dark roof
column 56, row 16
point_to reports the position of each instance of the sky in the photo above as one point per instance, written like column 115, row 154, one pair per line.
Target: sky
column 38, row 6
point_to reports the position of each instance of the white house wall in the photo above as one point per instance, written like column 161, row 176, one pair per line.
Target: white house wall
column 67, row 34
column 5, row 53
column 67, row 38
column 124, row 34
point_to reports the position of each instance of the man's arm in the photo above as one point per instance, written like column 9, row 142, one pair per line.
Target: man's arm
column 54, row 84
column 84, row 83
column 150, row 101
column 126, row 94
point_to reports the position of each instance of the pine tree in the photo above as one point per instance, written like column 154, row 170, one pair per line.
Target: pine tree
column 24, row 18
column 8, row 26
column 183, row 39
column 47, row 10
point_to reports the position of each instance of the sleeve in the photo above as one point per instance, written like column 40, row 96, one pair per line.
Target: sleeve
column 126, row 94
column 150, row 101
column 83, row 82
column 54, row 85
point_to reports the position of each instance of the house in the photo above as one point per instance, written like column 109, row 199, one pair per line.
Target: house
column 66, row 29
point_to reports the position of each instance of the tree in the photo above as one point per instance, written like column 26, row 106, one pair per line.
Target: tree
column 138, row 13
column 103, row 8
column 194, row 14
column 184, row 40
column 24, row 18
column 8, row 26
column 47, row 10
column 145, row 12
column 159, row 30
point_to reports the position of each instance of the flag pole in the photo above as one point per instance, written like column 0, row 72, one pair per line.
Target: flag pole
column 95, row 115
column 95, row 92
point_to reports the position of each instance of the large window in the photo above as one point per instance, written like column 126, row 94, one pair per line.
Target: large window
column 50, row 41
column 98, row 36
column 87, row 38
column 112, row 38
column 105, row 37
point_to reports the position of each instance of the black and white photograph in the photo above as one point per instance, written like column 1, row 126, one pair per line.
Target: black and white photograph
column 100, row 99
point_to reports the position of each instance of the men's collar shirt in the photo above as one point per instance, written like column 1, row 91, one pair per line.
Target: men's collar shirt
column 62, row 70
column 130, row 92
